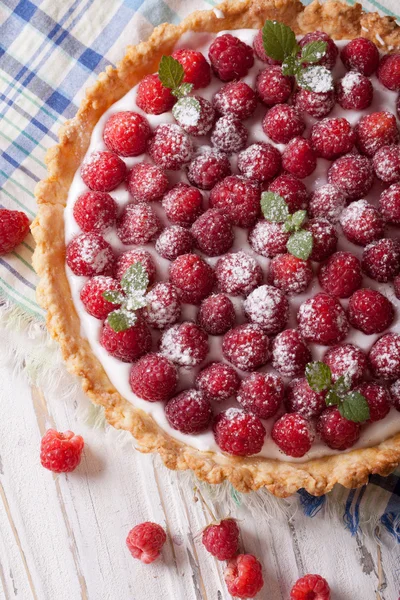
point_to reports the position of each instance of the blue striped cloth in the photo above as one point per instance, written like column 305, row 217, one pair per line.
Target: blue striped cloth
column 49, row 53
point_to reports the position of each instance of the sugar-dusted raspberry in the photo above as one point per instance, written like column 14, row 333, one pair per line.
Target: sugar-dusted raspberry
column 243, row 576
column 327, row 202
column 208, row 168
column 218, row 382
column 146, row 183
column 329, row 58
column 282, row 123
column 247, row 347
column 152, row 97
column 389, row 204
column 301, row 399
column 258, row 47
column 310, row 586
column 396, row 285
column 386, row 162
column 229, row 135
column 95, row 211
column 138, row 224
column 163, row 307
column 292, row 190
column 325, row 238
column 92, row 296
column 395, row 394
column 378, row 400
column 360, row 55
column 362, row 223
column 127, row 259
column 239, row 433
column 261, row 394
column 260, row 161
column 322, row 320
column 186, row 344
column 290, row 353
column 213, row 233
column 14, row 227
column 290, row 274
column 196, row 120
column 331, row 138
column 376, row 130
column 103, row 171
column 189, row 412
column 341, row 274
column 239, row 198
column 230, row 57
column 182, row 204
column 273, row 87
column 268, row 308
column 236, row 99
column 347, row 360
column 222, row 539
column 126, row 133
column 145, row 541
column 153, row 378
column 316, row 104
column 389, row 71
column 381, row 260
column 293, row 434
column 354, row 91
column 268, row 239
column 370, row 311
column 61, row 452
column 337, row 432
column 193, row 278
column 384, row 357
column 299, row 158
column 217, row 314
column 170, row 147
column 353, row 175
column 197, row 70
column 238, row 273
column 174, row 241
column 128, row 345
column 89, row 254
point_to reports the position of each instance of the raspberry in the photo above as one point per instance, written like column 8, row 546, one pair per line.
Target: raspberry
column 127, row 259
column 193, row 121
column 173, row 242
column 384, row 357
column 197, row 70
column 238, row 198
column 268, row 239
column 216, row 315
column 222, row 539
column 322, row 320
column 212, row 232
column 292, row 190
column 331, row 138
column 208, row 168
column 243, row 576
column 14, row 227
column 361, row 223
column 92, row 296
column 395, row 394
column 185, row 344
column 316, row 104
column 236, row 99
column 218, row 382
column 103, row 171
column 229, row 135
column 182, row 204
column 310, row 586
column 389, row 71
column 61, row 452
column 238, row 273
column 145, row 541
column 152, row 97
column 290, row 274
column 128, row 345
column 347, row 360
column 354, row 91
column 163, row 308
column 327, row 202
column 260, row 161
column 337, row 432
column 386, row 163
column 189, row 412
column 360, row 55
column 293, row 434
column 376, row 130
column 261, row 394
column 89, row 254
column 378, row 400
column 230, row 57
column 389, row 204
column 301, row 399
column 258, row 46
column 268, row 308
column 138, row 224
column 273, row 87
column 246, row 347
column 170, row 147
column 341, row 274
column 153, row 378
column 330, row 56
column 396, row 285
column 282, row 123
column 352, row 175
column 381, row 260
column 95, row 211
column 299, row 158
column 290, row 353
column 239, row 433
column 147, row 183
column 370, row 311
column 126, row 133
column 325, row 238
column 193, row 277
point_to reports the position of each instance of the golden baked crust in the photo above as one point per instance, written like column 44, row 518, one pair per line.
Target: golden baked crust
column 318, row 476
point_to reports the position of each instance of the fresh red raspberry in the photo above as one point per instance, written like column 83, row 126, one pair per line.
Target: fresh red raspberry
column 273, row 87
column 378, row 400
column 138, row 224
column 337, row 432
column 389, row 204
column 389, row 71
column 89, row 254
column 197, row 70
column 229, row 135
column 189, row 412
column 384, row 357
column 243, row 576
column 395, row 394
column 354, row 91
column 170, row 147
column 230, row 57
column 293, row 434
column 347, row 360
column 222, row 539
column 325, row 238
column 174, row 241
column 370, row 311
column 260, row 161
column 315, row 104
column 213, row 233
column 193, row 278
column 95, row 211
column 153, row 378
column 292, row 190
column 193, row 121
column 145, row 541
column 261, row 394
column 152, row 97
column 163, row 307
column 282, row 123
column 301, row 399
column 327, row 202
column 103, row 171
column 341, row 274
column 386, row 163
column 182, row 204
column 310, row 586
column 322, row 320
column 258, row 47
column 92, row 296
column 216, row 315
column 247, row 347
column 127, row 259
column 218, row 382
column 126, row 133
column 208, row 168
column 396, row 285
column 299, row 158
column 236, row 99
column 238, row 273
column 360, row 55
column 14, row 227
column 353, row 175
column 239, row 198
column 61, row 452
column 381, row 260
column 376, row 130
column 331, row 138
column 268, row 239
column 290, row 274
column 186, row 344
column 290, row 353
column 268, row 308
column 146, row 183
column 329, row 58
column 128, row 345
column 239, row 433
column 362, row 223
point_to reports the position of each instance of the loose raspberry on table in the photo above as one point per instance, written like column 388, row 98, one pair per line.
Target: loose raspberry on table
column 126, row 133
column 389, row 204
column 299, row 158
column 273, row 87
column 341, row 274
column 239, row 198
column 238, row 273
column 185, row 344
column 337, row 432
column 327, row 202
column 362, row 223
column 163, row 307
column 195, row 120
column 301, row 399
column 370, row 311
column 95, row 211
column 331, row 54
column 389, row 71
column 381, row 260
column 360, row 55
column 217, row 314
column 322, row 320
column 316, row 104
column 197, row 70
column 395, row 394
column 182, row 204
column 174, row 241
column 213, row 233
column 229, row 135
column 92, row 296
column 236, row 99
column 347, row 360
column 311, row 586
column 354, row 91
column 268, row 308
column 89, row 254
column 268, row 239
column 282, row 123
column 290, row 274
column 230, row 57
column 127, row 259
column 247, row 347
column 243, row 576
column 376, row 130
column 261, row 394
column 353, row 175
column 292, row 190
column 138, row 224
column 147, row 183
column 239, row 433
column 222, row 539
column 153, row 378
column 61, row 452
column 103, row 171
column 331, row 138
column 293, row 434
column 325, row 238
column 218, row 382
column 193, row 278
column 258, row 47
column 128, row 345
column 378, row 400
column 290, row 353
column 152, row 97
column 208, row 168
column 170, row 147
column 189, row 412
column 14, row 227
column 260, row 161
column 384, row 357
column 145, row 541
column 386, row 162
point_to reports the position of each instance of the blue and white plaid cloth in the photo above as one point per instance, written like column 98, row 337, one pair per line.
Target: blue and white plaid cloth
column 50, row 51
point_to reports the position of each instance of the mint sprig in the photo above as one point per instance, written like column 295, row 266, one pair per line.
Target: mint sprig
column 134, row 284
column 171, row 74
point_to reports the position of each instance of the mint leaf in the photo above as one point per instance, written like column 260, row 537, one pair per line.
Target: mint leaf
column 300, row 244
column 274, row 207
column 313, row 52
column 135, row 280
column 170, row 72
column 135, row 302
column 319, row 376
column 187, row 111
column 332, row 398
column 354, row 407
column 113, row 296
column 279, row 40
column 315, row 79
column 121, row 319
column 342, row 385
column 183, row 90
column 290, row 65
column 295, row 221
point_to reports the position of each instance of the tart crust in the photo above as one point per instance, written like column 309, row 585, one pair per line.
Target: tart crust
column 317, row 476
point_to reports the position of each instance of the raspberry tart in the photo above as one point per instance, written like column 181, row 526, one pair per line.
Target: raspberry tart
column 218, row 244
